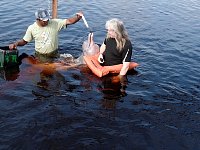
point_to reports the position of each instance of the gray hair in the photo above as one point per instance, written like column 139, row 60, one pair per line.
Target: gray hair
column 121, row 33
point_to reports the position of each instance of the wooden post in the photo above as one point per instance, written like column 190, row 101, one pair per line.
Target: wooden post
column 54, row 8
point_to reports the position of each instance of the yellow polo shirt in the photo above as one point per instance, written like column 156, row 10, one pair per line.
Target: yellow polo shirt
column 46, row 38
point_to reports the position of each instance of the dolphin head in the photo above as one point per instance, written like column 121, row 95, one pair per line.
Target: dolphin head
column 89, row 47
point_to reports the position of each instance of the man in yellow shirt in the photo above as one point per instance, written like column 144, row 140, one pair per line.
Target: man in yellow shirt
column 45, row 33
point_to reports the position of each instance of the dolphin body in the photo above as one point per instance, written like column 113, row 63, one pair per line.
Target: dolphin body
column 89, row 47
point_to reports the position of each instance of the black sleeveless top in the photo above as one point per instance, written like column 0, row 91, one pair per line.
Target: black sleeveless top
column 112, row 56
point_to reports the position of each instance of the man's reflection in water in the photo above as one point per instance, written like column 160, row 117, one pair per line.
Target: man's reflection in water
column 50, row 82
column 48, row 79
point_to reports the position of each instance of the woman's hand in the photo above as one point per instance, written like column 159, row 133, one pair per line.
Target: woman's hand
column 100, row 58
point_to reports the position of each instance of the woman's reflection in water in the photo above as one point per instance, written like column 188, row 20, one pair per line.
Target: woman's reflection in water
column 114, row 87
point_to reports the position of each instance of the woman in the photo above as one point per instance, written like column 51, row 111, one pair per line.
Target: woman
column 116, row 48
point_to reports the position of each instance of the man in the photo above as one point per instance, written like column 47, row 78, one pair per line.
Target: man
column 45, row 33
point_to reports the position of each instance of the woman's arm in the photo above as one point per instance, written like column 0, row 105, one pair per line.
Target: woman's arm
column 127, row 59
column 125, row 68
column 102, row 49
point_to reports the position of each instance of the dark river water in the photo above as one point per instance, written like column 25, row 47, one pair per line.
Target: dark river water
column 73, row 109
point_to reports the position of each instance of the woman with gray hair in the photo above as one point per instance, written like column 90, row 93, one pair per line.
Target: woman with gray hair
column 116, row 48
